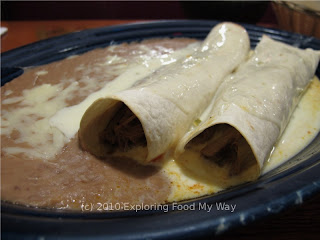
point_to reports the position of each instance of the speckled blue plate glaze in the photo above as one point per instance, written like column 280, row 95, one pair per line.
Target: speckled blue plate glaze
column 291, row 183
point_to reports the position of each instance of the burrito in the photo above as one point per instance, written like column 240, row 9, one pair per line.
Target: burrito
column 248, row 114
column 146, row 122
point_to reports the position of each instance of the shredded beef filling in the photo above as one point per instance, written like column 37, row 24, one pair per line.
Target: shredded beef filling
column 123, row 131
column 225, row 146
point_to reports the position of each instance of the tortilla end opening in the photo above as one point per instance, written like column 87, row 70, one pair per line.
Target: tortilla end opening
column 110, row 129
column 224, row 146
column 123, row 131
column 92, row 123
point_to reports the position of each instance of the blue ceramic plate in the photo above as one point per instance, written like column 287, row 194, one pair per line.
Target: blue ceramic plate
column 290, row 184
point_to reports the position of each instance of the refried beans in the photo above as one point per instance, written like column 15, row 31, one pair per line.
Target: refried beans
column 74, row 177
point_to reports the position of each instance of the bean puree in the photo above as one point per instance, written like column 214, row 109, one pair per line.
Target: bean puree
column 35, row 175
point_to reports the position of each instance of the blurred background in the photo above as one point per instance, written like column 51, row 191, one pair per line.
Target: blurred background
column 29, row 21
column 243, row 11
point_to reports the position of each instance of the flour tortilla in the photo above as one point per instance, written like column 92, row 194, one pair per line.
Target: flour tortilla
column 168, row 101
column 257, row 101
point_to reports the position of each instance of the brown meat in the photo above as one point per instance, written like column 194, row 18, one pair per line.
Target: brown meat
column 124, row 130
column 221, row 145
column 223, row 148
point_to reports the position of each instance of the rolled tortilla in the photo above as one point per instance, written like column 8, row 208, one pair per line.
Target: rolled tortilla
column 146, row 121
column 248, row 114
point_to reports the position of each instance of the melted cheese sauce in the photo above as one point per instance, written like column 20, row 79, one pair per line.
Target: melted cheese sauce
column 46, row 117
column 303, row 127
column 31, row 121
